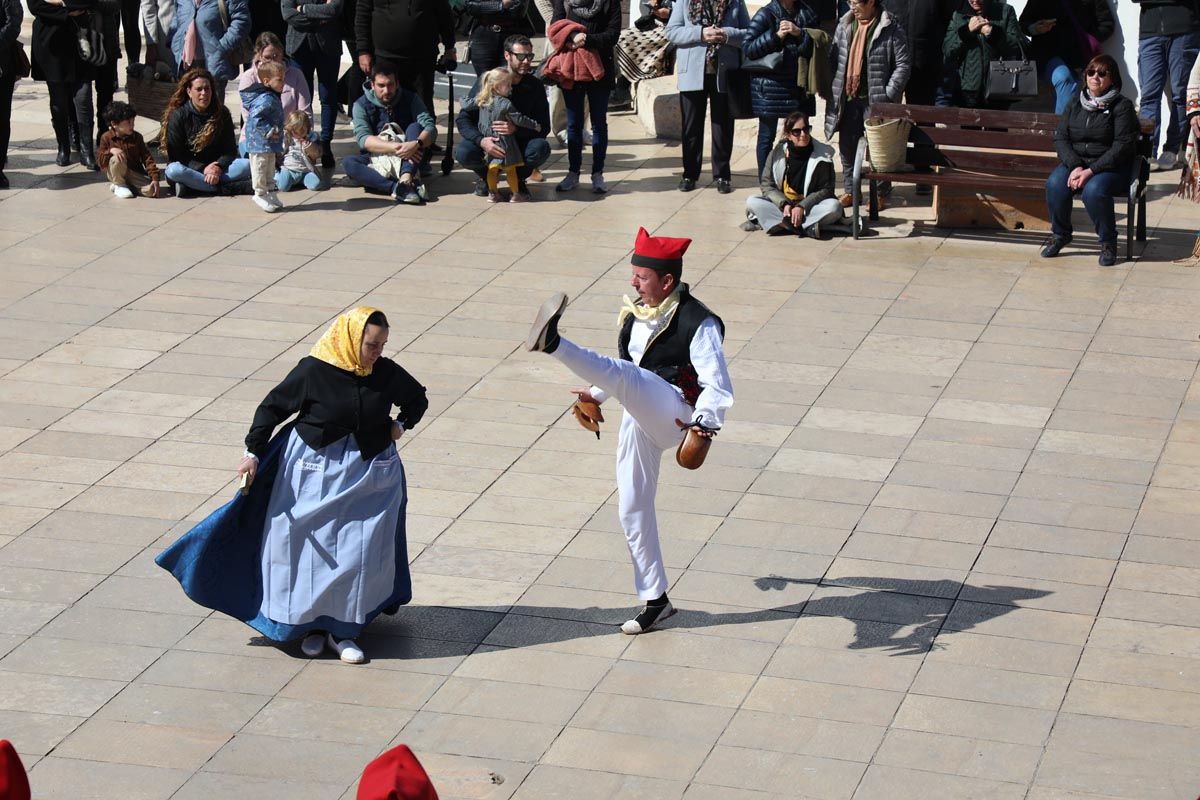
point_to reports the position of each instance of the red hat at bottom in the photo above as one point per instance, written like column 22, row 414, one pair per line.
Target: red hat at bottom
column 14, row 785
column 396, row 775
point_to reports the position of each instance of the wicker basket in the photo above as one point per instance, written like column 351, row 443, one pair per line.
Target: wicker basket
column 148, row 96
column 886, row 142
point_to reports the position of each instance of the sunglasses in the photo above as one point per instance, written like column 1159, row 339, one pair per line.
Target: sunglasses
column 521, row 56
column 800, row 131
column 1099, row 73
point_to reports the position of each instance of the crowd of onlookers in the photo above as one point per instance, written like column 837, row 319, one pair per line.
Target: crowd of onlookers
column 728, row 65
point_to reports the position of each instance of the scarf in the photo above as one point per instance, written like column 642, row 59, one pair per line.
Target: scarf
column 795, row 170
column 585, row 9
column 191, row 40
column 644, row 313
column 341, row 345
column 705, row 13
column 1101, row 103
column 857, row 58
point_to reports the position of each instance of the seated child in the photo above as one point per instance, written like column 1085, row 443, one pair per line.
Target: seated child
column 124, row 156
column 299, row 156
column 263, row 109
column 494, row 106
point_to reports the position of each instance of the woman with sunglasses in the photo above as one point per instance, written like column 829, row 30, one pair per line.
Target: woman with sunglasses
column 1096, row 141
column 797, row 185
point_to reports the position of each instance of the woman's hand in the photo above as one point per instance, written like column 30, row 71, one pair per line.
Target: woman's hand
column 787, row 28
column 712, row 35
column 580, row 39
column 397, row 431
column 975, row 23
column 248, row 466
column 213, row 173
column 796, row 215
column 1040, row 27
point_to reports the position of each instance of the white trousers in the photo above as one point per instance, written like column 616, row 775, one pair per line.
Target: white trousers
column 651, row 407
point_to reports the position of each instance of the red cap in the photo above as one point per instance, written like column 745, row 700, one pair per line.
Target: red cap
column 659, row 253
column 396, row 775
column 14, row 785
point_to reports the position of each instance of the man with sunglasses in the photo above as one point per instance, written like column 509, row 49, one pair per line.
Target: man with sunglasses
column 797, row 185
column 529, row 97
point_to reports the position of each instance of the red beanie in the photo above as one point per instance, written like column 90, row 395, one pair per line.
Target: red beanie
column 14, row 785
column 659, row 253
column 396, row 775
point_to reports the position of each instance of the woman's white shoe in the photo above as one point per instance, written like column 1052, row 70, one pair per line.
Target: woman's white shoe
column 347, row 650
column 313, row 645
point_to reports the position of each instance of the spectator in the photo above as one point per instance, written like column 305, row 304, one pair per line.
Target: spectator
column 925, row 22
column 981, row 31
column 123, row 152
column 300, row 155
column 643, row 51
column 1189, row 184
column 778, row 27
column 405, row 33
column 708, row 35
column 385, row 104
column 529, row 98
column 130, row 20
column 314, row 42
column 266, row 16
column 870, row 64
column 55, row 58
column 263, row 132
column 158, row 20
column 601, row 20
column 1066, row 34
column 558, row 107
column 105, row 80
column 494, row 22
column 1168, row 42
column 495, row 87
column 202, row 40
column 296, row 94
column 1096, row 140
column 797, row 185
column 11, row 14
column 197, row 140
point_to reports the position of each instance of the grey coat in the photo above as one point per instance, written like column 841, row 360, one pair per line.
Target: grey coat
column 690, row 49
column 888, row 65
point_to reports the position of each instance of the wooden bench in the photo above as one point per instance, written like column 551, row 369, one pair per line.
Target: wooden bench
column 985, row 151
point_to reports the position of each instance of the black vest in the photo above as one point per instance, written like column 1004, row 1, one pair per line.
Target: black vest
column 668, row 353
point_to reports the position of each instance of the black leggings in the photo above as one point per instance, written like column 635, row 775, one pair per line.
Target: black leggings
column 71, row 104
column 7, row 82
column 131, row 28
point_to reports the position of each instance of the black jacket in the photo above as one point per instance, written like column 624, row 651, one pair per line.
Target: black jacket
column 925, row 22
column 332, row 404
column 1168, row 17
column 668, row 354
column 776, row 94
column 182, row 127
column 11, row 14
column 403, row 30
column 1094, row 16
column 1103, row 141
column 493, row 12
column 53, row 48
column 602, row 32
column 528, row 97
column 319, row 25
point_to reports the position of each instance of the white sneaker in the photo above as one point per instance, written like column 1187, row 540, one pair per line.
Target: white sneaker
column 1167, row 160
column 122, row 192
column 599, row 185
column 262, row 202
column 274, row 200
column 313, row 645
column 347, row 650
column 569, row 183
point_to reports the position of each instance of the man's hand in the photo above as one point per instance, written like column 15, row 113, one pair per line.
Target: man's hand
column 796, row 215
column 584, row 393
column 397, row 431
column 705, row 434
column 491, row 147
column 152, row 189
column 248, row 466
column 504, row 127
column 407, row 149
column 364, row 63
column 713, row 35
column 213, row 173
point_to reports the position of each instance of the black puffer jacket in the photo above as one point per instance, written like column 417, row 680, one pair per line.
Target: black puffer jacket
column 183, row 126
column 1094, row 16
column 776, row 94
column 1102, row 141
column 1168, row 17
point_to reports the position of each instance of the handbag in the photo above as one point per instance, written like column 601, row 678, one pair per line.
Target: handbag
column 89, row 41
column 242, row 51
column 20, row 61
column 1011, row 80
column 769, row 63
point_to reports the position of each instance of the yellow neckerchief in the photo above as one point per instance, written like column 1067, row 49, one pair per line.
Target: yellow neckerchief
column 341, row 345
column 646, row 313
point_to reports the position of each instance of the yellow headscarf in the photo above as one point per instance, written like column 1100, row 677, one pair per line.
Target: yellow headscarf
column 341, row 345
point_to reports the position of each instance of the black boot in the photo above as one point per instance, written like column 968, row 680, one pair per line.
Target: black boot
column 87, row 156
column 73, row 130
column 327, row 159
column 3, row 179
column 64, row 155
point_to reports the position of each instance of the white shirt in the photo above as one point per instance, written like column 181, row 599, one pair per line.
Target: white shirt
column 708, row 357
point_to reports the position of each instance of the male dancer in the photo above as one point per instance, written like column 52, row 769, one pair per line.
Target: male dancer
column 671, row 369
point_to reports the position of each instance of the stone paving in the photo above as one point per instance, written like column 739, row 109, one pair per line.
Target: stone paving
column 946, row 547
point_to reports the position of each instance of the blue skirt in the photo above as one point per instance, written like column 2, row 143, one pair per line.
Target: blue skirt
column 317, row 545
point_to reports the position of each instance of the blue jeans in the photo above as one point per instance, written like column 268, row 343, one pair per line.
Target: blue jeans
column 767, row 128
column 184, row 175
column 287, row 180
column 597, row 99
column 358, row 167
column 1098, row 194
column 1164, row 62
column 1064, row 80
column 327, row 66
column 471, row 156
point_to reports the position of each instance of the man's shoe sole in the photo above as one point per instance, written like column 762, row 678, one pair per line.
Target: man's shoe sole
column 549, row 310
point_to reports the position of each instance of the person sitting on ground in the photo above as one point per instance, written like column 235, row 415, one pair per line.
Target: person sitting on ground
column 797, row 185
column 495, row 106
column 528, row 97
column 1096, row 142
column 198, row 140
column 300, row 155
column 124, row 155
column 386, row 102
column 264, row 133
